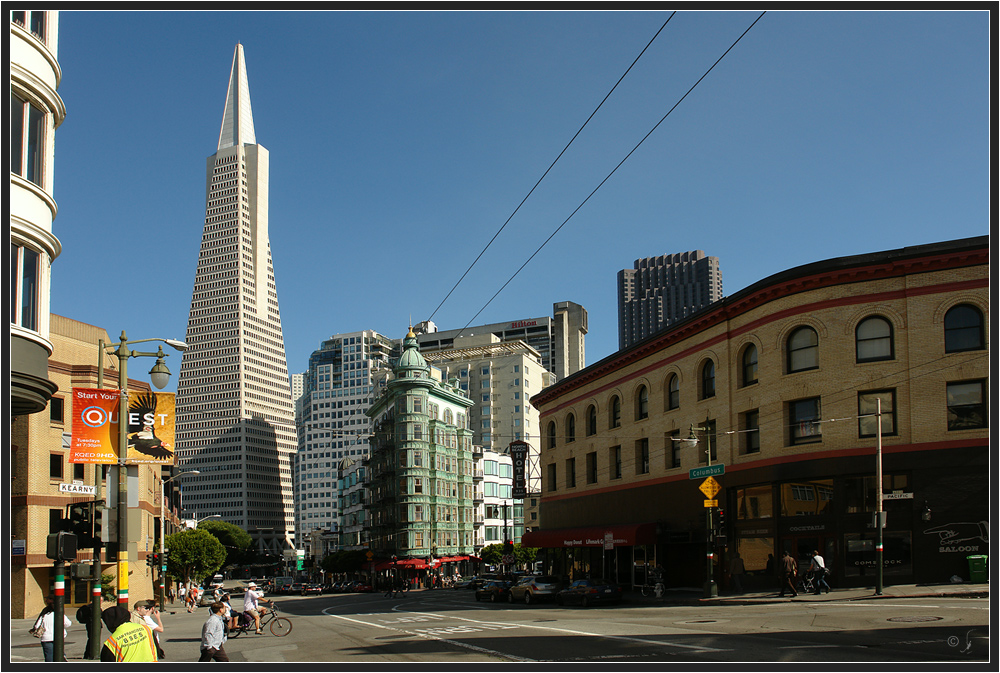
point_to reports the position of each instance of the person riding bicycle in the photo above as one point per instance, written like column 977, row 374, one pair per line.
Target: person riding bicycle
column 251, row 604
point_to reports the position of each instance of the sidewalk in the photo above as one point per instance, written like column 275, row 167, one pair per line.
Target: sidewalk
column 694, row 596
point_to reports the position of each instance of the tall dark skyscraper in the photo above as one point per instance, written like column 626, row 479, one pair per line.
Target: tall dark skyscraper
column 662, row 290
column 235, row 415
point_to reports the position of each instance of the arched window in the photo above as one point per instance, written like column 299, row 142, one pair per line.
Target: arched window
column 803, row 350
column 642, row 403
column 615, row 412
column 963, row 329
column 551, row 434
column 873, row 340
column 591, row 420
column 708, row 380
column 570, row 428
column 748, row 365
column 673, row 392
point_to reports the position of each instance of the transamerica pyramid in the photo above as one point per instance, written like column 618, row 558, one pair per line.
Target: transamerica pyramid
column 235, row 417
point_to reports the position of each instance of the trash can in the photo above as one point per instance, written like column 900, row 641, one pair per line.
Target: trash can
column 977, row 569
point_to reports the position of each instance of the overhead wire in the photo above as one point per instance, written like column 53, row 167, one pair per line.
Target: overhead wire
column 614, row 170
column 532, row 190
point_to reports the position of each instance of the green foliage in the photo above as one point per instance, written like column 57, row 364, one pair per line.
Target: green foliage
column 194, row 554
column 109, row 587
column 345, row 561
column 492, row 554
column 236, row 541
column 523, row 556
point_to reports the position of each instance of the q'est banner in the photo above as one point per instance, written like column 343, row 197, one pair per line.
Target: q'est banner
column 150, row 433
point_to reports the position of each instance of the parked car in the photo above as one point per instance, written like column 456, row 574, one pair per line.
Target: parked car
column 493, row 591
column 532, row 588
column 589, row 591
column 363, row 588
column 480, row 580
column 295, row 588
column 311, row 590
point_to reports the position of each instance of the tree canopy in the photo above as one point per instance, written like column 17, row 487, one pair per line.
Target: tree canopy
column 194, row 554
column 236, row 541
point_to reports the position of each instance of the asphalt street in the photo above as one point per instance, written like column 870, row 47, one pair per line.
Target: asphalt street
column 940, row 623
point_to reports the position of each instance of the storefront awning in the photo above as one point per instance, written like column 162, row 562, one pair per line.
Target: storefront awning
column 622, row 535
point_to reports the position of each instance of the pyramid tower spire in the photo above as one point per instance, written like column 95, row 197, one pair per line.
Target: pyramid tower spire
column 237, row 120
column 235, row 415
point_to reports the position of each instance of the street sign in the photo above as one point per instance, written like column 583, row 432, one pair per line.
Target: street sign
column 897, row 496
column 708, row 471
column 709, row 487
column 711, row 503
column 77, row 487
column 370, row 555
column 18, row 547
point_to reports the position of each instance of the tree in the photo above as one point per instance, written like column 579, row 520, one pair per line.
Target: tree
column 194, row 554
column 492, row 554
column 236, row 541
column 524, row 557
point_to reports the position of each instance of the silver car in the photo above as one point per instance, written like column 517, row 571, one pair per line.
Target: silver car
column 532, row 588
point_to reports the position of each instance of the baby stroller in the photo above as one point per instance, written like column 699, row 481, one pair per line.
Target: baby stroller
column 806, row 583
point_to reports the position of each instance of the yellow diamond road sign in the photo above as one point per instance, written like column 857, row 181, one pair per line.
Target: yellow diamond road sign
column 710, row 487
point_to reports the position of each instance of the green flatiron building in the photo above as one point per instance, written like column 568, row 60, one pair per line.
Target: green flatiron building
column 421, row 470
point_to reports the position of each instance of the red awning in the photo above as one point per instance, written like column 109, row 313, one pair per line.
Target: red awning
column 622, row 535
column 411, row 563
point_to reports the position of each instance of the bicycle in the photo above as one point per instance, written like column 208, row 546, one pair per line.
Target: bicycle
column 656, row 590
column 279, row 626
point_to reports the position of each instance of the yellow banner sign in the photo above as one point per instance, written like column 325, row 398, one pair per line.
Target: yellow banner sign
column 150, row 432
column 711, row 503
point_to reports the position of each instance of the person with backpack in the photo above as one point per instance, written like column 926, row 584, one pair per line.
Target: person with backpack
column 818, row 568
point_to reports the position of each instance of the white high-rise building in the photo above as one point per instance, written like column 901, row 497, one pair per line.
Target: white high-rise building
column 337, row 390
column 235, row 415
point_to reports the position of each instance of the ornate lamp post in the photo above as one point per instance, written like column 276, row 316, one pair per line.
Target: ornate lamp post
column 160, row 376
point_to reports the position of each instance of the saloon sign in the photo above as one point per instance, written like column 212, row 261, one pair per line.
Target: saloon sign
column 519, row 458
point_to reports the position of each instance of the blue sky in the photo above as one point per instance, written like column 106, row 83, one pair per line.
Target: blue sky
column 400, row 142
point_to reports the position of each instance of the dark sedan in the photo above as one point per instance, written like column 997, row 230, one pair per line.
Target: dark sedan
column 493, row 591
column 311, row 590
column 589, row 591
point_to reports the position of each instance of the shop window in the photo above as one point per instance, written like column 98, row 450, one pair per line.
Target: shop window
column 860, row 558
column 708, row 380
column 806, row 498
column 868, row 424
column 755, row 552
column 673, row 449
column 750, row 435
column 591, row 420
column 673, row 392
column 874, row 340
column 592, row 467
column 615, row 462
column 803, row 350
column 755, row 502
column 642, row 403
column 859, row 493
column 967, row 405
column 963, row 329
column 642, row 456
column 748, row 365
column 804, row 421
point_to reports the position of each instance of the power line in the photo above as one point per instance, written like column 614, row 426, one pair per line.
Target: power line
column 614, row 170
column 530, row 192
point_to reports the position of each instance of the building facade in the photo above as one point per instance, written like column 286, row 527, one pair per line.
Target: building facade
column 44, row 483
column 559, row 340
column 337, row 390
column 36, row 111
column 235, row 415
column 782, row 382
column 659, row 291
column 421, row 493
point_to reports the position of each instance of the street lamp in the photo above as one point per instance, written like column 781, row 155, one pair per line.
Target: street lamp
column 160, row 375
column 163, row 526
column 711, row 588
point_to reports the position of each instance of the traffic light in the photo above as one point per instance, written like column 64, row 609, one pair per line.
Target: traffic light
column 722, row 518
column 61, row 546
column 152, row 560
column 98, row 524
column 508, row 547
column 79, row 518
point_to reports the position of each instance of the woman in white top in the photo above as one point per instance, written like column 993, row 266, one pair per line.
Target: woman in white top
column 46, row 619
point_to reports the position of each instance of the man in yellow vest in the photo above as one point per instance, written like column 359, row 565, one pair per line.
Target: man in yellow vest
column 132, row 642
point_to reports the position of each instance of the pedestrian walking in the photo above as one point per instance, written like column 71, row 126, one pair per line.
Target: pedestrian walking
column 790, row 572
column 736, row 572
column 818, row 568
column 213, row 635
column 145, row 612
column 131, row 641
column 46, row 622
column 84, row 616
